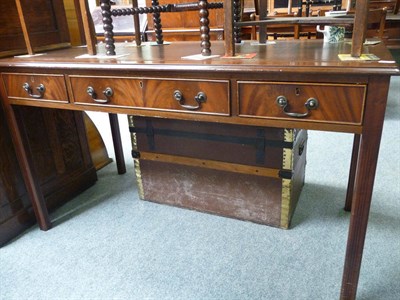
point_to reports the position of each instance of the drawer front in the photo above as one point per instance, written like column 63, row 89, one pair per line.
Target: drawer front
column 36, row 87
column 122, row 92
column 336, row 103
column 196, row 96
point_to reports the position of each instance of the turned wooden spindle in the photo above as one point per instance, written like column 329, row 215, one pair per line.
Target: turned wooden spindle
column 236, row 18
column 107, row 26
column 157, row 23
column 118, row 12
column 204, row 28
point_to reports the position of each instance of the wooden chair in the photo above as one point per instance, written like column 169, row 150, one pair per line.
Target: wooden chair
column 184, row 26
column 286, row 30
column 390, row 5
column 376, row 23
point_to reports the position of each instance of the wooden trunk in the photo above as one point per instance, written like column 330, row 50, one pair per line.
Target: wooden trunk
column 245, row 172
column 58, row 147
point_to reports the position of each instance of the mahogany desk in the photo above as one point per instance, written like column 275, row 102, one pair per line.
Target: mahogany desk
column 351, row 98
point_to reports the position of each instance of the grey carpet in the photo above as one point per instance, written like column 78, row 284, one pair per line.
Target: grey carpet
column 107, row 244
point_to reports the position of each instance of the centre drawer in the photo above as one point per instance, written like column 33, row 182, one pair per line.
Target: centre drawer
column 336, row 103
column 36, row 87
column 197, row 96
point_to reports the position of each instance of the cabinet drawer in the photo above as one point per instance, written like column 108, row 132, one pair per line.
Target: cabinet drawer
column 110, row 91
column 36, row 87
column 197, row 96
column 337, row 103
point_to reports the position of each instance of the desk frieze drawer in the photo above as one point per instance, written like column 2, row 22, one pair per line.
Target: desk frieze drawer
column 108, row 91
column 336, row 103
column 36, row 87
column 178, row 95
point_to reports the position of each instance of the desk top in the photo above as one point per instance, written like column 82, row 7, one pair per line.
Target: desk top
column 294, row 56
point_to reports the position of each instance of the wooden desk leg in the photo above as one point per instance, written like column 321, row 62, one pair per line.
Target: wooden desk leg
column 28, row 171
column 352, row 175
column 364, row 181
column 118, row 150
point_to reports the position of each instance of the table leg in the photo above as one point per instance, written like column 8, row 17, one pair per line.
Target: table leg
column 136, row 22
column 28, row 172
column 352, row 174
column 229, row 41
column 118, row 150
column 262, row 30
column 364, row 181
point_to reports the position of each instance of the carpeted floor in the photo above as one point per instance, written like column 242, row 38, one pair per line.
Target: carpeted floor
column 107, row 244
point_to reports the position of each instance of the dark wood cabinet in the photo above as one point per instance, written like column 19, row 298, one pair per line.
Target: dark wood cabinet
column 59, row 150
column 28, row 28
